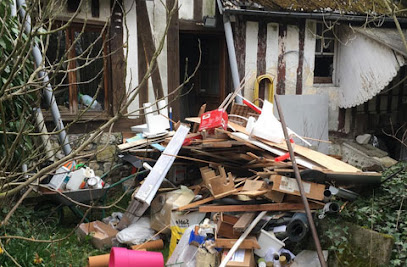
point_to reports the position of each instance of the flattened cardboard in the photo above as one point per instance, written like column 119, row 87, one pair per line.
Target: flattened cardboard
column 289, row 186
column 102, row 233
column 241, row 258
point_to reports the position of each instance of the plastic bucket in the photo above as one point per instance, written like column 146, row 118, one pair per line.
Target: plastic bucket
column 123, row 257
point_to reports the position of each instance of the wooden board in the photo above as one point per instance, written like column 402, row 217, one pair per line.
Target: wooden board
column 324, row 160
column 196, row 203
column 290, row 186
column 243, row 222
column 315, row 156
column 143, row 142
column 258, row 207
column 248, row 243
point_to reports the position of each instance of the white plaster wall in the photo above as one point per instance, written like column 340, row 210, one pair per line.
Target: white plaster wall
column 291, row 59
column 309, row 55
column 309, row 87
column 130, row 43
column 252, row 30
column 186, row 9
column 85, row 11
column 272, row 52
column 158, row 28
column 209, row 8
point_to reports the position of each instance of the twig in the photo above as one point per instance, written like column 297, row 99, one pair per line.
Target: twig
column 11, row 212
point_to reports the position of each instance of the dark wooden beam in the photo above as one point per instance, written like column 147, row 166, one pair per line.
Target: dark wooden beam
column 142, row 68
column 149, row 45
column 197, row 10
column 341, row 120
column 239, row 29
column 281, row 68
column 173, row 62
column 261, row 55
column 118, row 64
column 301, row 26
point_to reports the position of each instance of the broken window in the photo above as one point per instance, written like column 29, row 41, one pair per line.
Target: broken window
column 324, row 54
column 78, row 69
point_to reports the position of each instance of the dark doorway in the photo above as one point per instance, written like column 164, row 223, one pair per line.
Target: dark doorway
column 208, row 84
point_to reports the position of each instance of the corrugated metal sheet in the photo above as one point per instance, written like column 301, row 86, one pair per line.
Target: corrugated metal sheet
column 366, row 67
column 387, row 37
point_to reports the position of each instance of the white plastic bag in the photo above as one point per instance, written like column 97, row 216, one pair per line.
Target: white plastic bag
column 184, row 254
column 137, row 233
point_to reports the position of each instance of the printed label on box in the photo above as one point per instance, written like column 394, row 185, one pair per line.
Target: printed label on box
column 238, row 256
column 290, row 185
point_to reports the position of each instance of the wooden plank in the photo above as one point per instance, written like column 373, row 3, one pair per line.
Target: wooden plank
column 261, row 56
column 281, row 70
column 198, row 10
column 318, row 157
column 243, row 222
column 248, row 243
column 201, row 111
column 173, row 62
column 149, row 45
column 301, row 26
column 224, row 226
column 315, row 156
column 289, row 186
column 154, row 179
column 196, row 203
column 143, row 142
column 259, row 207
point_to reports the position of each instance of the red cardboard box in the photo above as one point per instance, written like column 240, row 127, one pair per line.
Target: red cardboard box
column 214, row 119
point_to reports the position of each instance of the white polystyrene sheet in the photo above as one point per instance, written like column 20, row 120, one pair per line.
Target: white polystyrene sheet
column 307, row 115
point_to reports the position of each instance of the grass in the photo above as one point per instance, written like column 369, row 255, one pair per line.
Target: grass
column 42, row 222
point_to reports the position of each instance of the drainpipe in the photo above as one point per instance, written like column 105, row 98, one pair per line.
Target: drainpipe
column 231, row 51
column 13, row 8
column 49, row 96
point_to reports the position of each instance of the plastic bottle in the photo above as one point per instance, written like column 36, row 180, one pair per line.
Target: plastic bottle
column 261, row 262
column 276, row 260
column 77, row 178
column 87, row 101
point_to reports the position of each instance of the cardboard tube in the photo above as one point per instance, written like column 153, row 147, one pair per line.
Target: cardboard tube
column 99, row 261
column 155, row 244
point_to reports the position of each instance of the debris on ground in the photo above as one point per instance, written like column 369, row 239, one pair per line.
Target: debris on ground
column 223, row 192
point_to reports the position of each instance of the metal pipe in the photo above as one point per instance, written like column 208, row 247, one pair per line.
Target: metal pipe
column 39, row 119
column 13, row 8
column 300, row 186
column 343, row 193
column 231, row 51
column 49, row 95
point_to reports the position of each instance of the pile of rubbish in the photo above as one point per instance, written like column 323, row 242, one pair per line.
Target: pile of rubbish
column 223, row 191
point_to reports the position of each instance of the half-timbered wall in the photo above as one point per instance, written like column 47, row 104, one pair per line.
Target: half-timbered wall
column 137, row 61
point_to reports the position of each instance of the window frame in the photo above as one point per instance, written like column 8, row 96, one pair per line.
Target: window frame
column 74, row 110
column 330, row 80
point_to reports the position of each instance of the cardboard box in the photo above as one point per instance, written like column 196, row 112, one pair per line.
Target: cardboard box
column 241, row 258
column 214, row 119
column 101, row 233
column 289, row 186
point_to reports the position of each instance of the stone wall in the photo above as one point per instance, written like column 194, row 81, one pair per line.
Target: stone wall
column 100, row 155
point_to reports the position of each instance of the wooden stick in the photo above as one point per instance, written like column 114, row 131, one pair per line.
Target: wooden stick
column 258, row 207
column 196, row 203
column 319, row 140
column 201, row 111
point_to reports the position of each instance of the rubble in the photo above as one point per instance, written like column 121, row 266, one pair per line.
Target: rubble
column 240, row 202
